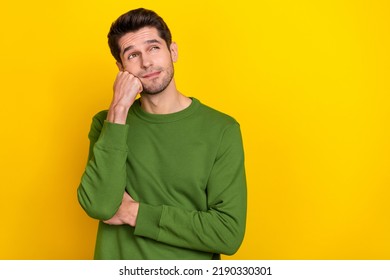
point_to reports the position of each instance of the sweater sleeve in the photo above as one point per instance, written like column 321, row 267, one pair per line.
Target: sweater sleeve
column 103, row 182
column 220, row 229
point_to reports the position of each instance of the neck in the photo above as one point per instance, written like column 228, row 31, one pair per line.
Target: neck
column 167, row 102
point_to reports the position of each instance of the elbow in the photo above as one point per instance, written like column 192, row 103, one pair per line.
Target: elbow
column 231, row 247
column 232, row 250
column 232, row 239
column 95, row 210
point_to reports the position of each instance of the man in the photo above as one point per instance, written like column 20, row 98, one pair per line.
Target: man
column 165, row 175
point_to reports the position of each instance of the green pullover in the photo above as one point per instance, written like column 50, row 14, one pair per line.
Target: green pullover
column 186, row 170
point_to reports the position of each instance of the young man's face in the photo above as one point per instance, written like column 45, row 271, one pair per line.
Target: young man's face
column 145, row 55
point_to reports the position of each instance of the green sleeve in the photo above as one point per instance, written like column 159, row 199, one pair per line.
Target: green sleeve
column 103, row 183
column 219, row 229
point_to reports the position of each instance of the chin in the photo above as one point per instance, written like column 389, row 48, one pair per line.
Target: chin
column 146, row 92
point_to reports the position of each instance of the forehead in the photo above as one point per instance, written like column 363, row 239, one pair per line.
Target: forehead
column 138, row 37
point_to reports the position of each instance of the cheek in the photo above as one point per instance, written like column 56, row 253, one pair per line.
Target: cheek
column 168, row 60
column 130, row 67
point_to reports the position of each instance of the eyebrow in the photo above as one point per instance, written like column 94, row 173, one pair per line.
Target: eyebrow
column 147, row 42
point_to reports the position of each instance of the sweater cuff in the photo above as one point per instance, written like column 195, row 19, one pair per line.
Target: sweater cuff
column 113, row 136
column 148, row 221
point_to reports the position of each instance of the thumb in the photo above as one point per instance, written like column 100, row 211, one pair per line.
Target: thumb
column 127, row 196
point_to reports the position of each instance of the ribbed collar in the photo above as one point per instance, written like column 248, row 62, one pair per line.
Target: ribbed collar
column 164, row 118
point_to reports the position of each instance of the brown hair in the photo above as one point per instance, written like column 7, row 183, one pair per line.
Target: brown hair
column 133, row 21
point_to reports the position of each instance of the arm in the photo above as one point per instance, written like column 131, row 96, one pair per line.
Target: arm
column 219, row 229
column 103, row 183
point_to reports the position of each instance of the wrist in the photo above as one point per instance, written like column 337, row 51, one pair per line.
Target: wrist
column 118, row 114
column 134, row 206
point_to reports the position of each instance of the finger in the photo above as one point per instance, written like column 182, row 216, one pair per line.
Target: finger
column 122, row 79
column 136, row 81
column 128, row 197
column 141, row 88
column 119, row 78
column 132, row 77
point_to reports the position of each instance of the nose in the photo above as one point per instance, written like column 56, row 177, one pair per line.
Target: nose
column 146, row 61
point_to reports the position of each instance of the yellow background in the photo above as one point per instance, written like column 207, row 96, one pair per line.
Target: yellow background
column 307, row 80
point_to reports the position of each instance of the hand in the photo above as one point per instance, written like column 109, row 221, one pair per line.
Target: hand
column 126, row 88
column 127, row 212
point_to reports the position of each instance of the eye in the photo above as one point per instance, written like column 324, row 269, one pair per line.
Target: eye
column 132, row 56
column 154, row 48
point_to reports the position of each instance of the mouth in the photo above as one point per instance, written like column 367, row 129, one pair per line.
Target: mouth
column 151, row 75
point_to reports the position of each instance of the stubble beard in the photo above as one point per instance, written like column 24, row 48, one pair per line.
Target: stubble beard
column 154, row 87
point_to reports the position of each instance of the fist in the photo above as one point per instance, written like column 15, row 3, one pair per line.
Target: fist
column 126, row 88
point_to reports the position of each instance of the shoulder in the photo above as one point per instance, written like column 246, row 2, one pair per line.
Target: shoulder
column 97, row 124
column 216, row 117
column 224, row 130
column 100, row 116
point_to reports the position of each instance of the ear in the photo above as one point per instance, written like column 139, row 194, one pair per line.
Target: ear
column 120, row 66
column 174, row 52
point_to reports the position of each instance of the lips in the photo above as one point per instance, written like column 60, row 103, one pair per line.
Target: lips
column 151, row 75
